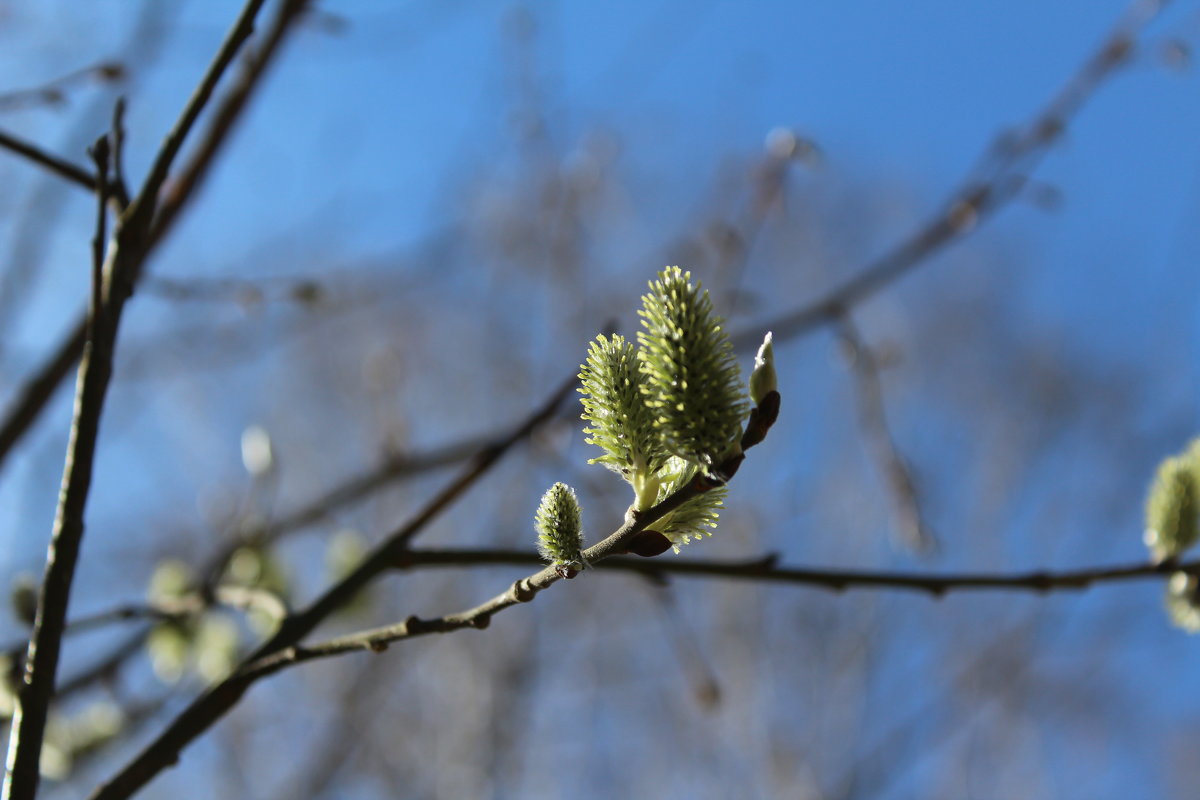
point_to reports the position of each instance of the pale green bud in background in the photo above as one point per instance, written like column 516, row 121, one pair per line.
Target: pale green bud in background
column 1171, row 509
column 1183, row 601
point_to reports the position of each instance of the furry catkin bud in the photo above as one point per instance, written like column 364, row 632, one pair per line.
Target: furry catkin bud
column 1171, row 509
column 621, row 423
column 560, row 533
column 692, row 383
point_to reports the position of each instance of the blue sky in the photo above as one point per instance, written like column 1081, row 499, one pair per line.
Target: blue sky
column 392, row 134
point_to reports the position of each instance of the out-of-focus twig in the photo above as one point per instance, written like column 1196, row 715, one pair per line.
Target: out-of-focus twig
column 101, row 619
column 1000, row 177
column 909, row 525
column 59, row 166
column 52, row 93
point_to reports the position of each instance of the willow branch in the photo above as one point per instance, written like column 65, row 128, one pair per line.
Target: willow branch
column 479, row 617
column 766, row 568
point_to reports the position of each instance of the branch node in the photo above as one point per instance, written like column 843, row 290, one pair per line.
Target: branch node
column 522, row 591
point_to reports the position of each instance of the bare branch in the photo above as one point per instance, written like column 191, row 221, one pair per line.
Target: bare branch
column 891, row 464
column 766, row 569
column 59, row 166
column 53, row 92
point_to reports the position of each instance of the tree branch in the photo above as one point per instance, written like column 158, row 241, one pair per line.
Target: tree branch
column 126, row 256
column 59, row 166
column 766, row 569
column 897, row 477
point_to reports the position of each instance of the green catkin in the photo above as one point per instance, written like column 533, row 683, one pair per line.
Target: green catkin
column 1171, row 508
column 559, row 528
column 692, row 386
column 621, row 423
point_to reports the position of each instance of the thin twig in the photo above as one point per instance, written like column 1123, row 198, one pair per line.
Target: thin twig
column 1002, row 176
column 100, row 153
column 759, row 570
column 891, row 464
column 183, row 186
column 36, row 392
column 100, row 619
column 52, row 92
column 147, row 200
column 220, row 698
column 59, row 166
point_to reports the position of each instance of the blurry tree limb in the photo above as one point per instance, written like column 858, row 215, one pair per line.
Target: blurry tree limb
column 909, row 525
column 1001, row 176
column 53, row 92
column 36, row 392
column 127, row 253
column 220, row 698
column 101, row 619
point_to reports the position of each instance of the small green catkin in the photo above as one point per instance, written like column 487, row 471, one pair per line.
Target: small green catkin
column 559, row 528
column 1172, row 508
column 692, row 386
column 621, row 423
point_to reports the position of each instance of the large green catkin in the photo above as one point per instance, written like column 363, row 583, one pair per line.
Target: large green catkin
column 559, row 527
column 1172, row 508
column 692, row 386
column 621, row 423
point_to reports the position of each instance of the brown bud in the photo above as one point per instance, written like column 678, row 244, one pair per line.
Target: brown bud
column 648, row 544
